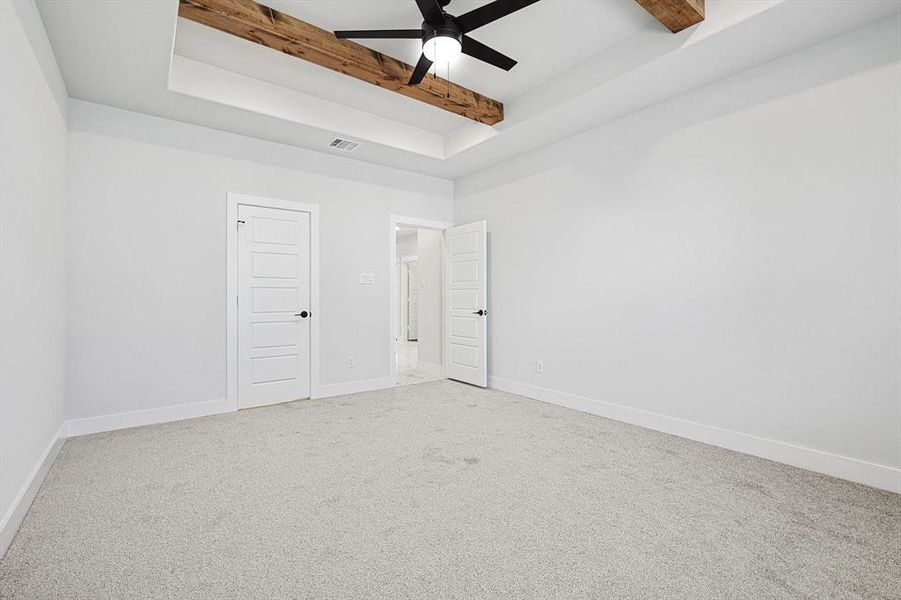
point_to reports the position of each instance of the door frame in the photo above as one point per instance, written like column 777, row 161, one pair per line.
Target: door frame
column 231, row 286
column 395, row 221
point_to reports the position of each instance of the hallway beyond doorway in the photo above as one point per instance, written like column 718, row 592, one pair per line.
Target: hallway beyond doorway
column 409, row 369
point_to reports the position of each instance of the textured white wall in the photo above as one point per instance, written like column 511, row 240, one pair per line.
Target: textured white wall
column 32, row 250
column 147, row 254
column 730, row 257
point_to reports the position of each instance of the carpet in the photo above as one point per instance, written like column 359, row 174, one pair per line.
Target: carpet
column 440, row 490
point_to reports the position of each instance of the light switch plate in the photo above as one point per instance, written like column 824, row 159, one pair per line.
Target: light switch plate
column 367, row 278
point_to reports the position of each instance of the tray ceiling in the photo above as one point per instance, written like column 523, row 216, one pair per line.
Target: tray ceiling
column 582, row 63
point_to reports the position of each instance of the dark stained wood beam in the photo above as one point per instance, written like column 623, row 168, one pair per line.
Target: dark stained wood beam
column 676, row 15
column 262, row 25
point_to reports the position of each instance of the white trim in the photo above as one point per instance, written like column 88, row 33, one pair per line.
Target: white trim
column 150, row 416
column 353, row 387
column 9, row 525
column 395, row 221
column 231, row 291
column 875, row 475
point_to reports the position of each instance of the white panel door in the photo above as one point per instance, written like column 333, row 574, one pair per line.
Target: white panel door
column 273, row 305
column 467, row 303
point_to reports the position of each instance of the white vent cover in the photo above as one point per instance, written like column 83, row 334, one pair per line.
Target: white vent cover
column 343, row 145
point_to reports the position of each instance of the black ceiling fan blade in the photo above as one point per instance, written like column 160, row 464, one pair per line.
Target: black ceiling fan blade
column 381, row 34
column 422, row 67
column 490, row 12
column 431, row 11
column 477, row 49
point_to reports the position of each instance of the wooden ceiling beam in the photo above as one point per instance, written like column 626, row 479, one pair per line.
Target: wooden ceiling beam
column 676, row 15
column 254, row 22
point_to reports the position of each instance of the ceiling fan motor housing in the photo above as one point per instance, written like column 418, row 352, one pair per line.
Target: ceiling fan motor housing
column 447, row 29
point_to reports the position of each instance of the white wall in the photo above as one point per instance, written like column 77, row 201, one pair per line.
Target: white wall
column 406, row 246
column 730, row 257
column 429, row 248
column 32, row 258
column 147, row 254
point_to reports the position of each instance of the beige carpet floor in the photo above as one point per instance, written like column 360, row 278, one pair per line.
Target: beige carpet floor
column 440, row 490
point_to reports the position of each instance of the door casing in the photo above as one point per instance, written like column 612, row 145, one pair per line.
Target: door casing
column 231, row 287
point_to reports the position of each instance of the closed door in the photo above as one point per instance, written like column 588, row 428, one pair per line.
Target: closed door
column 273, row 305
column 466, row 303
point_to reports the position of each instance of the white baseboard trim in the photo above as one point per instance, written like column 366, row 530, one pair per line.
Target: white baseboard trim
column 150, row 416
column 353, row 387
column 872, row 474
column 16, row 513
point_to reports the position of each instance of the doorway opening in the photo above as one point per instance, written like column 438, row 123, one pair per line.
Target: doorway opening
column 417, row 300
column 419, row 335
column 451, row 263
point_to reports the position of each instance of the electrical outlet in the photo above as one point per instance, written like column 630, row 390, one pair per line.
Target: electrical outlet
column 349, row 362
column 539, row 366
column 367, row 278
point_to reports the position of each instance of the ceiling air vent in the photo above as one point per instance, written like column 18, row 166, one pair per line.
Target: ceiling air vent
column 343, row 145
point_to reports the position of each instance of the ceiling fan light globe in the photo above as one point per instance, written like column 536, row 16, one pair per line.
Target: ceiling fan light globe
column 442, row 50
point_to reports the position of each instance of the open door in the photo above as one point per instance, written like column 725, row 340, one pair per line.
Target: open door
column 466, row 303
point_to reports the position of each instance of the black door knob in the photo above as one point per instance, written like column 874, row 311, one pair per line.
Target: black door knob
column 302, row 314
column 480, row 312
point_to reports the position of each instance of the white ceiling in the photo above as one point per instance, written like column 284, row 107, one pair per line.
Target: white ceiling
column 582, row 63
column 213, row 47
column 570, row 32
column 546, row 38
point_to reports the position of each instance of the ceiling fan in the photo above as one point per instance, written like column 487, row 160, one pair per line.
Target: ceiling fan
column 444, row 36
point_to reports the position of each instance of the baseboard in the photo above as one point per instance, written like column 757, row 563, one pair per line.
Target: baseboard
column 178, row 412
column 353, row 387
column 150, row 416
column 843, row 467
column 16, row 513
